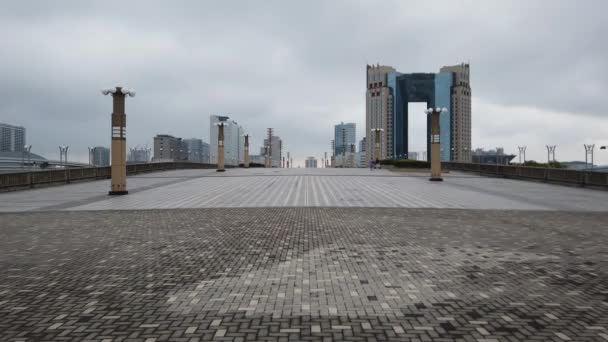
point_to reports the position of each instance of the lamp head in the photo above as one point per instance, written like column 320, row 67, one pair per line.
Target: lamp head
column 108, row 91
column 444, row 110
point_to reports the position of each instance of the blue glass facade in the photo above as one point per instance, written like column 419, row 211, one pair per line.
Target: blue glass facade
column 433, row 89
column 443, row 98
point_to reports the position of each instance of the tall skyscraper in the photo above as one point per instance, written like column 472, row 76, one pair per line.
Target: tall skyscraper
column 388, row 94
column 378, row 99
column 344, row 136
column 12, row 138
column 233, row 140
column 461, row 113
column 100, row 156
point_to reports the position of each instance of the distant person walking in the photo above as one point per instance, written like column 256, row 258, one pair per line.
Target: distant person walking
column 378, row 164
column 371, row 165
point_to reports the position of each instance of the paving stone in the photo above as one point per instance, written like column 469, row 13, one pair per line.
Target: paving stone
column 309, row 274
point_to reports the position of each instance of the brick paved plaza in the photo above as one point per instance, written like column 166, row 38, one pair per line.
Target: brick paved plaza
column 302, row 273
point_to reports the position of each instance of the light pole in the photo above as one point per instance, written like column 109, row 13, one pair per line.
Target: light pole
column 220, row 146
column 376, row 132
column 522, row 150
column 589, row 151
column 90, row 155
column 63, row 154
column 246, row 161
column 550, row 152
column 435, row 142
column 26, row 151
column 119, row 139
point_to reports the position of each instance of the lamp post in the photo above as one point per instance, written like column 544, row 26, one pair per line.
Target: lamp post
column 435, row 142
column 26, row 151
column 63, row 154
column 589, row 151
column 522, row 150
column 119, row 139
column 90, row 155
column 220, row 146
column 376, row 132
column 550, row 152
column 246, row 161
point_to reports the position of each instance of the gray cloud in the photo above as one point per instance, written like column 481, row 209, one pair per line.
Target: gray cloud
column 295, row 66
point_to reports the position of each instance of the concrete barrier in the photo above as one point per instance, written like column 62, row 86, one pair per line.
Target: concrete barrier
column 33, row 179
column 558, row 176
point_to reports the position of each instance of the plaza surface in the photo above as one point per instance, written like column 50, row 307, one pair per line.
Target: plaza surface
column 308, row 188
column 307, row 255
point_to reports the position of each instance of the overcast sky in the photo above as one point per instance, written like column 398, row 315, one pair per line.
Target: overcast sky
column 539, row 68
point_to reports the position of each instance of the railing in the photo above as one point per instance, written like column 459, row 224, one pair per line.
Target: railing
column 32, row 179
column 563, row 176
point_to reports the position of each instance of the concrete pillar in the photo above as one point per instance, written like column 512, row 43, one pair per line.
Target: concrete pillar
column 246, row 162
column 220, row 147
column 119, row 140
column 435, row 145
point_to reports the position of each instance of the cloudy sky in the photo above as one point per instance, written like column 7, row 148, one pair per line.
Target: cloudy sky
column 539, row 68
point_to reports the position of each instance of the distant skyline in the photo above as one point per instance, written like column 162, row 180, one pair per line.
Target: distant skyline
column 539, row 71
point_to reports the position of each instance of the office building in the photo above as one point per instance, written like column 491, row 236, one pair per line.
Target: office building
column 461, row 113
column 169, row 148
column 310, row 163
column 344, row 136
column 100, row 156
column 197, row 150
column 12, row 138
column 234, row 141
column 361, row 154
column 388, row 94
column 497, row 156
column 277, row 153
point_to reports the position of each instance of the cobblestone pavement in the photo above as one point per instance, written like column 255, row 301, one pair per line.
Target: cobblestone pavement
column 278, row 274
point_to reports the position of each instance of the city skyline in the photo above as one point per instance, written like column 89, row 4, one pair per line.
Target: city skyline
column 183, row 74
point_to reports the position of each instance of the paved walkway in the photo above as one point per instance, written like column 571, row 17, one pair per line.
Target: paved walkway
column 308, row 188
column 304, row 274
column 304, row 255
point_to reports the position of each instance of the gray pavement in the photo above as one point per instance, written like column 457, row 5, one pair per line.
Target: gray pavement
column 308, row 188
column 304, row 255
column 304, row 274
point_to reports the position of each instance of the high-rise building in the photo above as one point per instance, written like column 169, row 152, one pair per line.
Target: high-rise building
column 388, row 94
column 344, row 136
column 361, row 156
column 276, row 150
column 100, row 156
column 12, row 138
column 461, row 113
column 378, row 100
column 197, row 150
column 169, row 148
column 233, row 140
column 310, row 163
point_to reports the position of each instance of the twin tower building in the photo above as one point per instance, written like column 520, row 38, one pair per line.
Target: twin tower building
column 387, row 97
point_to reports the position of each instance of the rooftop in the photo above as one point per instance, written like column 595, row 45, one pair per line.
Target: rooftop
column 304, row 254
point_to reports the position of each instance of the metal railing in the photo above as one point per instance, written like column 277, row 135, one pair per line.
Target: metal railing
column 550, row 175
column 33, row 179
